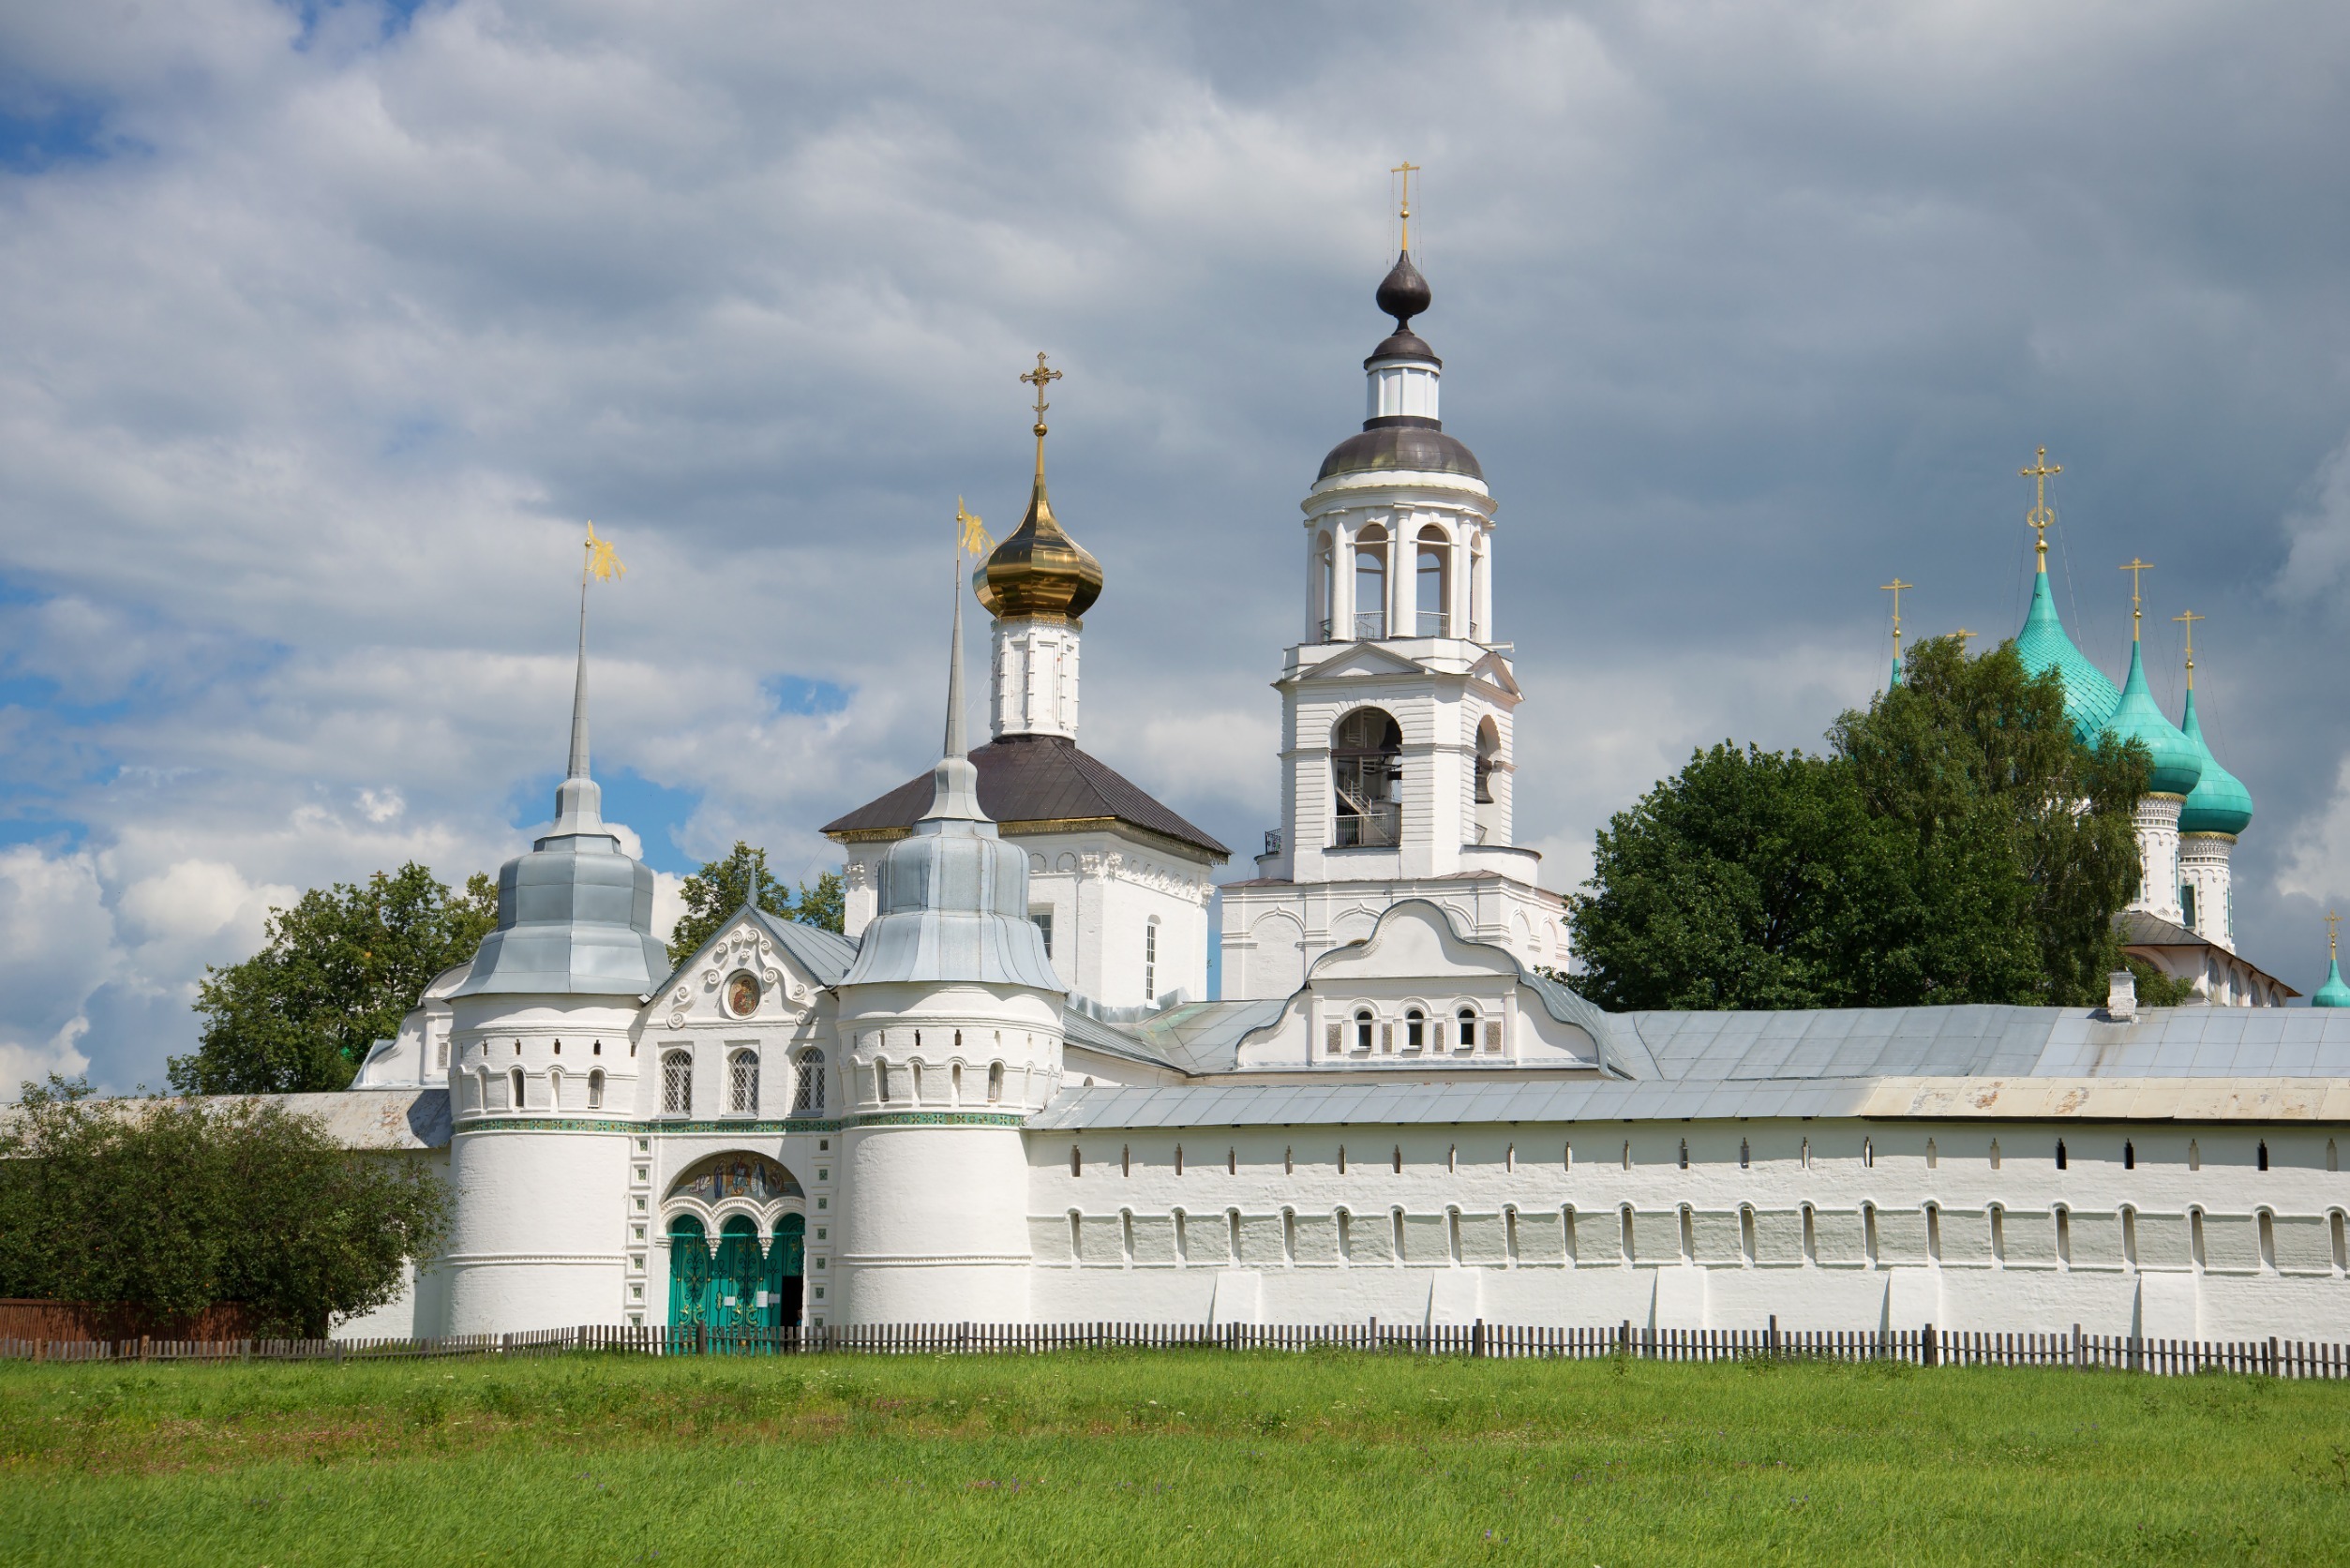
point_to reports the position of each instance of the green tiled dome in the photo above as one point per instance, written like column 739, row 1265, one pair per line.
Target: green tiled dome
column 2177, row 761
column 2089, row 698
column 2219, row 803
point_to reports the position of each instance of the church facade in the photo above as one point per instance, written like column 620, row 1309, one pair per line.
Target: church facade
column 1004, row 1094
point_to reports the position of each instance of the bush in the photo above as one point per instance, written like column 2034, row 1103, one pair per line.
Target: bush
column 176, row 1204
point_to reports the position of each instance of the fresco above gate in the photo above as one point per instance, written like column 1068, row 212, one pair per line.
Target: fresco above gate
column 737, row 1175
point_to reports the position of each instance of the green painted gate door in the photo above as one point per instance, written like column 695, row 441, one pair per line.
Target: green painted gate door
column 740, row 1279
column 786, row 1261
column 693, row 1296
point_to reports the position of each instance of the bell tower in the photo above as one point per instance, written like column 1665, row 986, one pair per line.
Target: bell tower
column 1398, row 706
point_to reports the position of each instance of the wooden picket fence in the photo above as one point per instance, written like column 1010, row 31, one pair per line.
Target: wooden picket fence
column 1920, row 1347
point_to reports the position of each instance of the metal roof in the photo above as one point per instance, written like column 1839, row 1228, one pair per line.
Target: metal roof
column 1433, row 1102
column 1036, row 779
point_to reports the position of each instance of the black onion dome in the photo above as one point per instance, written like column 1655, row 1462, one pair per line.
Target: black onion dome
column 1408, row 445
column 1403, row 293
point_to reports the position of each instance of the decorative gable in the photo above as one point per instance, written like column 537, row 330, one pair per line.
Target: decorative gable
column 739, row 975
column 1363, row 659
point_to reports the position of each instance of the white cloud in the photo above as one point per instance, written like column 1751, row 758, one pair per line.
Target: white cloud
column 311, row 388
column 2317, row 864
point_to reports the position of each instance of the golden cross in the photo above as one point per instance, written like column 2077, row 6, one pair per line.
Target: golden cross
column 1040, row 378
column 2333, row 934
column 1407, row 169
column 2040, row 519
column 2190, row 618
column 1894, row 588
column 1965, row 636
column 2137, row 570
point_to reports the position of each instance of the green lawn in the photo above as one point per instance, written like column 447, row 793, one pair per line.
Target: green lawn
column 1190, row 1456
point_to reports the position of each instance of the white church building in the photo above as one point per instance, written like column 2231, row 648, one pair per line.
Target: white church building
column 1005, row 1094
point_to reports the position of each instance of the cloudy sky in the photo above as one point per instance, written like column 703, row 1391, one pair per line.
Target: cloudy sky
column 324, row 328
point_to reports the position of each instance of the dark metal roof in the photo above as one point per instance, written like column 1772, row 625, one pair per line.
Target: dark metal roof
column 1416, row 448
column 1035, row 777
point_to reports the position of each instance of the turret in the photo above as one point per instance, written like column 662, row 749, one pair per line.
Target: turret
column 2176, row 764
column 541, row 1030
column 950, row 1017
column 1037, row 584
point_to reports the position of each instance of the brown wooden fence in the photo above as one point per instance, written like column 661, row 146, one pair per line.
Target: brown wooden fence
column 1921, row 1346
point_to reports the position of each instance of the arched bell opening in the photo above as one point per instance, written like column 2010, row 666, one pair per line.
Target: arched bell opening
column 1367, row 764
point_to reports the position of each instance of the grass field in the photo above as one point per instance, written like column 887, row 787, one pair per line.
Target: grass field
column 1206, row 1457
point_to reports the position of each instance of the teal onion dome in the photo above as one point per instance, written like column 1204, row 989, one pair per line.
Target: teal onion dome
column 2177, row 761
column 2089, row 698
column 2218, row 803
column 2333, row 993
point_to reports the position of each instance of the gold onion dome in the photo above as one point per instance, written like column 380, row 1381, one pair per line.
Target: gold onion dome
column 1038, row 570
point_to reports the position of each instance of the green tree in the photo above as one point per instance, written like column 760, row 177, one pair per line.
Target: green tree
column 1959, row 843
column 177, row 1205
column 825, row 904
column 718, row 889
column 2021, row 834
column 713, row 893
column 338, row 972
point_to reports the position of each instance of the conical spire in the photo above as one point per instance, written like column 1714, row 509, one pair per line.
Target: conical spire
column 2218, row 803
column 955, row 784
column 578, row 799
column 2137, row 717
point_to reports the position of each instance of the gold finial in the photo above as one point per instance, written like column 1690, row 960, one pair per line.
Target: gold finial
column 1965, row 637
column 2190, row 618
column 1407, row 169
column 973, row 540
column 2333, row 935
column 2137, row 570
column 1894, row 588
column 2040, row 519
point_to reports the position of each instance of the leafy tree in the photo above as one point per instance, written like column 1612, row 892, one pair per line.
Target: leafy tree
column 177, row 1205
column 713, row 893
column 339, row 971
column 2020, row 830
column 2157, row 990
column 718, row 889
column 825, row 904
column 1959, row 843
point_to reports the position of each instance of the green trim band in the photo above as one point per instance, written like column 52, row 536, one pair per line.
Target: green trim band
column 940, row 1118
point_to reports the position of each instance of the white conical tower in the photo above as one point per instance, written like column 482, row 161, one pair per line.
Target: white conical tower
column 951, row 1020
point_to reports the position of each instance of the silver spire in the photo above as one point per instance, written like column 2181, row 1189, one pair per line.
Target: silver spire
column 955, row 784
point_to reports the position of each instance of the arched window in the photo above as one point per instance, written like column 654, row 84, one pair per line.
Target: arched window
column 1934, row 1233
column 1370, row 582
column 1362, row 1028
column 1468, row 1037
column 513, row 1089
column 881, row 1080
column 1151, row 959
column 1998, row 1236
column 1811, row 1236
column 1624, row 1214
column 2194, row 1238
column 677, row 1083
column 995, row 1082
column 1746, row 1237
column 1433, row 584
column 1868, row 1233
column 1688, row 1236
column 1366, row 762
column 2342, row 1242
column 2267, row 1242
column 2129, row 1237
column 2064, row 1237
column 1414, row 1029
column 742, row 1082
column 595, row 1089
column 1346, row 1239
column 1489, row 758
column 808, row 1088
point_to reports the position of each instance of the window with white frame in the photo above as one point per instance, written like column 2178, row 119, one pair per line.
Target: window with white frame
column 595, row 1089
column 1150, row 961
column 742, row 1082
column 1362, row 1028
column 807, row 1089
column 677, row 1083
column 1414, row 1029
column 1468, row 1022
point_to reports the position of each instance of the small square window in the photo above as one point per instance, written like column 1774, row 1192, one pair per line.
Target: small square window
column 821, row 1203
column 819, row 1296
column 819, row 1262
column 819, row 1232
column 636, row 1292
column 823, row 1144
column 822, row 1174
column 640, row 1202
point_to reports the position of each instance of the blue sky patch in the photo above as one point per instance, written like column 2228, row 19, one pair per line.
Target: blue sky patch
column 800, row 693
column 657, row 812
column 35, row 141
